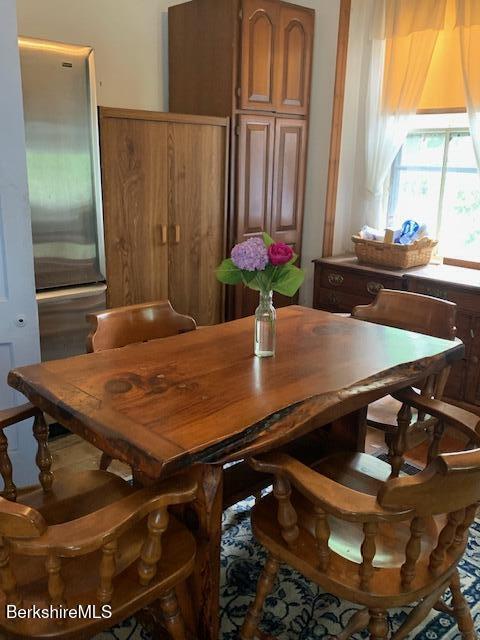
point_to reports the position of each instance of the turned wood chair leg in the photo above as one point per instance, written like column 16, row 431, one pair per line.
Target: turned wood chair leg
column 357, row 622
column 378, row 625
column 172, row 616
column 105, row 461
column 461, row 610
column 264, row 587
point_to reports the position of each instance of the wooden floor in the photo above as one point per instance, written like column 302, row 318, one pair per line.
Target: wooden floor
column 74, row 454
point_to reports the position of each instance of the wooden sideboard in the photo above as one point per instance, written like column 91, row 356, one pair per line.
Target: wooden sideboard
column 342, row 282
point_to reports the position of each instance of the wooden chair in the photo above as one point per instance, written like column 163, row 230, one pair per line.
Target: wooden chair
column 421, row 314
column 136, row 323
column 85, row 539
column 364, row 536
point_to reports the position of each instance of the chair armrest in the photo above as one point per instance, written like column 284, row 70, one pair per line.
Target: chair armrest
column 333, row 497
column 91, row 532
column 17, row 414
column 464, row 421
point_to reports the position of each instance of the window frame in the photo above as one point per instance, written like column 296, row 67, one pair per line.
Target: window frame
column 448, row 133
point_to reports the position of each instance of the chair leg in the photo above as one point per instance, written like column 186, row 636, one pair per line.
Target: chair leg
column 172, row 615
column 378, row 625
column 264, row 587
column 461, row 609
column 105, row 461
column 357, row 622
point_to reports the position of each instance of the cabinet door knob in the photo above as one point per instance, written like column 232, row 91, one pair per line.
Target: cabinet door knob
column 177, row 233
column 335, row 279
column 374, row 287
column 163, row 232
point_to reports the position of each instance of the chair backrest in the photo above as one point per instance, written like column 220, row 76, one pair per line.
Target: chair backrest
column 411, row 311
column 136, row 323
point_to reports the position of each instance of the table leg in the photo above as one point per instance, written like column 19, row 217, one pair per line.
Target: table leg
column 205, row 581
column 350, row 431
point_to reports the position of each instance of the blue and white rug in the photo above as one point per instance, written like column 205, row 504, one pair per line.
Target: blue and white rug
column 298, row 609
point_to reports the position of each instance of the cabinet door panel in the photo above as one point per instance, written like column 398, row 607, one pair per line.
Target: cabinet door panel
column 288, row 181
column 196, row 214
column 134, row 177
column 254, row 175
column 294, row 60
column 259, row 42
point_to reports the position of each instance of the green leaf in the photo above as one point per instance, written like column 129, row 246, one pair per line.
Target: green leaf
column 288, row 281
column 293, row 259
column 267, row 239
column 228, row 273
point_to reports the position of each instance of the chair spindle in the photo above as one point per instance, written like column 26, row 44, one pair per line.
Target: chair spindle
column 445, row 539
column 464, row 526
column 108, row 566
column 7, row 579
column 398, row 444
column 287, row 516
column 56, row 586
column 9, row 490
column 368, row 551
column 43, row 457
column 152, row 549
column 412, row 552
column 434, row 447
column 322, row 534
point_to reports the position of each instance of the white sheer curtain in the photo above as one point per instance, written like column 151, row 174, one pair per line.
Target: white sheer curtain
column 404, row 34
column 468, row 24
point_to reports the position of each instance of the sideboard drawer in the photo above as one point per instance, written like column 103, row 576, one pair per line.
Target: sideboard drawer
column 356, row 283
column 465, row 299
column 337, row 301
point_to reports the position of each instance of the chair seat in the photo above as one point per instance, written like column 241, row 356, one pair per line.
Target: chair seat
column 74, row 496
column 363, row 473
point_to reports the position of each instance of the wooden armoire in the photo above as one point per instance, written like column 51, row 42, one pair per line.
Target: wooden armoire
column 164, row 183
column 250, row 60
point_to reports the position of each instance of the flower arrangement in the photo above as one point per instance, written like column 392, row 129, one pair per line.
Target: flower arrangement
column 263, row 265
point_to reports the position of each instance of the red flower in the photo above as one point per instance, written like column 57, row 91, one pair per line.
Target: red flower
column 279, row 253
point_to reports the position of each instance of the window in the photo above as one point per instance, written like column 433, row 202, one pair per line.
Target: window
column 434, row 180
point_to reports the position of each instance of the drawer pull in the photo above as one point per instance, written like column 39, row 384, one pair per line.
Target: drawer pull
column 332, row 299
column 335, row 279
column 374, row 287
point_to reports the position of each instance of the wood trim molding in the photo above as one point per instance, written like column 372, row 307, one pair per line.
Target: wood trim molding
column 337, row 121
column 161, row 116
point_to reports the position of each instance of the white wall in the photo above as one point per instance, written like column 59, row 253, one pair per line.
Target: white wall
column 131, row 50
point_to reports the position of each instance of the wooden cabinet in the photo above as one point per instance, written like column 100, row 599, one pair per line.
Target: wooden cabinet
column 263, row 85
column 342, row 283
column 164, row 188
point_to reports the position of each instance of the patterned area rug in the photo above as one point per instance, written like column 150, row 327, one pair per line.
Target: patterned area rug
column 298, row 609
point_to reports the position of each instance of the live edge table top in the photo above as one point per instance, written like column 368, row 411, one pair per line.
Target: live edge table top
column 202, row 396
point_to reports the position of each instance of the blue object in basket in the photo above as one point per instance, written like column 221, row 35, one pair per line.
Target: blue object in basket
column 408, row 232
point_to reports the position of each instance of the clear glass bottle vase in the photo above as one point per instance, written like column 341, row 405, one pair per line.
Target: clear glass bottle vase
column 265, row 326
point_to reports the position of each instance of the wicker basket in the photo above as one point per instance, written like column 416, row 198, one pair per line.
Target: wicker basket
column 400, row 256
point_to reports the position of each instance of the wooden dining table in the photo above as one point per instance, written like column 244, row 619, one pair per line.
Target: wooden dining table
column 198, row 400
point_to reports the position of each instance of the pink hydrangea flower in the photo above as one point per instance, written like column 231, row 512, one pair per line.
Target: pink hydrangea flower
column 250, row 255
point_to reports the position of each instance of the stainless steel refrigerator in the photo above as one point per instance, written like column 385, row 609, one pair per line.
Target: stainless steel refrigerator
column 65, row 191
